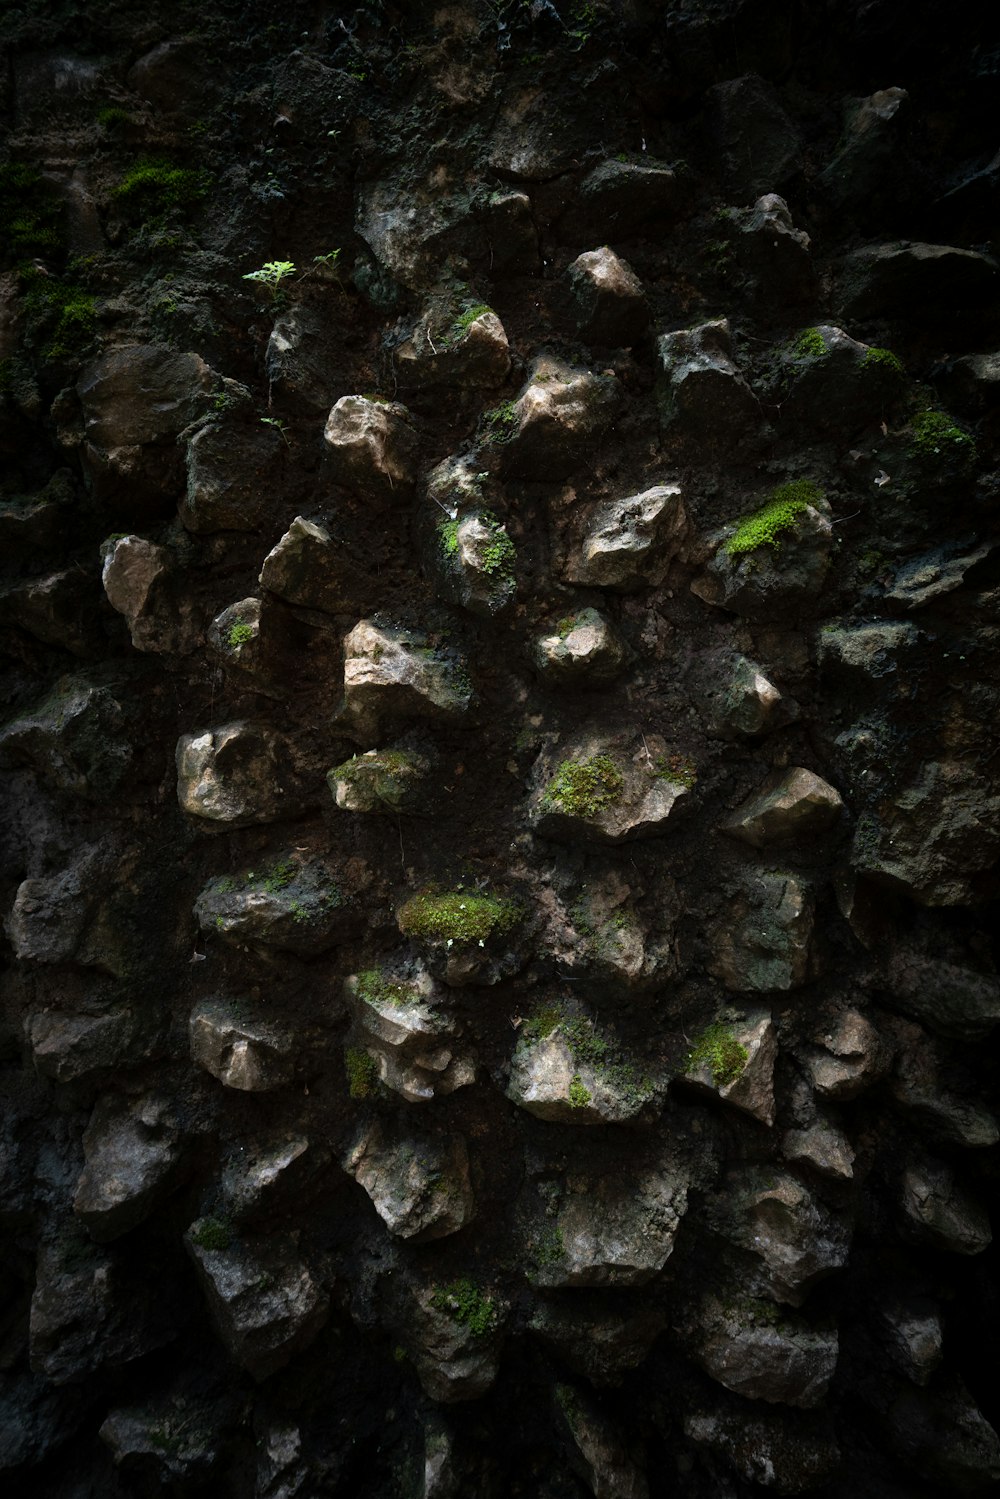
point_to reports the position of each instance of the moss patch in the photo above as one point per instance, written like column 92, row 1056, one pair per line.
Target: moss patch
column 810, row 345
column 467, row 1304
column 579, row 1095
column 374, row 988
column 934, row 436
column 883, row 359
column 30, row 213
column 213, row 1234
column 585, row 787
column 719, row 1049
column 458, row 916
column 238, row 635
column 153, row 188
column 765, row 526
column 362, row 1072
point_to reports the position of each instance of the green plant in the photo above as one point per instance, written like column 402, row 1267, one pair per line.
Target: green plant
column 550, row 1246
column 468, row 1305
column 278, row 425
column 374, row 988
column 882, row 359
column 583, row 788
column 465, row 319
column 30, row 213
column 458, row 916
column 362, row 1072
column 934, row 436
column 111, row 116
column 239, row 634
column 680, row 769
column 153, row 188
column 579, row 1096
column 65, row 314
column 719, row 1049
column 810, row 345
column 765, row 526
column 271, row 275
column 500, row 424
column 213, row 1234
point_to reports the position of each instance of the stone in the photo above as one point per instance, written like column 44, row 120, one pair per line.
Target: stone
column 392, row 674
column 830, row 382
column 763, row 1354
column 290, row 904
column 57, row 608
column 742, row 701
column 252, row 638
column 470, row 353
column 271, row 1176
column 262, row 1298
column 794, row 806
column 822, row 1148
column 70, row 1047
column 298, row 360
column 547, row 432
column 934, row 838
column 610, row 1466
column 555, row 1078
column 600, row 1341
column 745, row 1045
column 853, row 651
column 910, row 1330
column 630, row 543
column 795, row 1240
column 609, row 305
column 236, row 775
column 233, row 478
column 757, row 148
column 475, row 557
column 784, row 1450
column 419, row 1186
column 584, row 650
column 949, row 990
column 139, row 582
column 704, row 393
column 414, row 1041
column 943, row 1437
column 310, row 569
column 76, row 737
column 768, row 579
column 939, row 572
column 164, row 1443
column 870, row 156
column 389, row 782
column 47, row 920
column 511, row 233
column 134, row 1153
column 412, row 233
column 597, row 789
column 243, row 1051
column 847, row 1057
column 884, row 280
column 453, row 1361
column 764, row 941
column 774, row 253
column 939, row 1213
column 371, row 449
column 614, row 948
column 920, row 1085
column 625, row 198
column 467, row 935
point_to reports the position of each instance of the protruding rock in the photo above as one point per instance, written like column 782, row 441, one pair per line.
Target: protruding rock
column 546, row 433
column 475, row 558
column 133, row 1154
column 869, row 158
column 392, row 674
column 938, row 1212
column 872, row 650
column 71, row 1047
column 775, row 253
column 469, row 353
column 298, row 360
column 608, row 790
column 451, row 1332
column 763, row 941
column 289, row 904
column 742, row 701
column 232, row 478
column 47, row 920
column 582, row 650
column 884, row 280
column 733, row 1060
column 950, row 990
column 372, row 449
column 624, row 197
column 847, row 1057
column 243, row 1051
column 774, row 559
column 414, row 1041
column 512, row 233
column 910, row 1329
column 137, row 578
column 389, row 781
column 793, row 1237
column 262, row 1298
column 468, row 936
column 237, row 774
column 609, row 304
column 630, row 543
column 758, row 147
column 271, row 1175
column 563, row 1072
column 796, row 805
column 419, row 1186
column 610, row 1466
column 309, row 568
column 763, row 1354
column 830, row 381
column 705, row 393
column 76, row 737
column 821, row 1147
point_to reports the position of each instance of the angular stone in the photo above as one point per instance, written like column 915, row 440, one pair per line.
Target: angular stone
column 271, row 1175
column 791, row 806
column 137, row 578
column 867, row 162
column 463, row 355
column 763, row 1354
column 831, row 382
column 599, row 1341
column 630, row 543
column 607, row 791
column 237, row 774
column 372, row 449
column 711, row 1068
column 475, row 559
column 452, row 1361
column 233, row 478
column 466, row 936
column 774, row 252
column 47, row 920
column 609, row 304
column 848, row 1057
column 767, row 580
column 610, row 1467
column 884, row 280
column 939, row 1213
column 57, row 608
column 875, row 650
column 392, row 674
column 555, row 1080
column 952, row 991
column 386, row 782
column 70, row 1047
column 742, row 701
column 298, row 359
column 242, row 1051
column 705, row 393
column 289, row 904
column 309, row 568
column 787, row 1451
column 821, row 1147
column 795, row 1240
column 911, row 1331
column 512, row 234
column 414, row 1041
column 262, row 1298
column 420, row 1187
column 935, row 574
column 764, row 940
column 555, row 420
column 758, row 147
column 583, row 650
column 625, row 197
column 76, row 737
column 162, row 1443
column 134, row 1151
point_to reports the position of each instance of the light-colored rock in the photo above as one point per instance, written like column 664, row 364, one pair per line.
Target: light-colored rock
column 764, row 940
column 939, row 1213
column 630, row 543
column 372, row 449
column 611, row 1468
column 763, row 1354
column 139, row 583
column 794, row 805
column 309, row 568
column 237, row 774
column 555, row 420
column 822, row 1147
column 582, row 650
column 392, row 674
column 461, row 355
column 415, row 1041
column 609, row 304
column 553, row 1077
column 245, row 1052
column 419, row 1187
column 794, row 1238
column 734, row 1061
column 290, row 904
column 763, row 582
column 847, row 1057
column 475, row 559
column 607, row 790
column 875, row 650
column 387, row 782
column 271, row 1175
column 133, row 1152
column 704, row 392
column 742, row 701
column 452, row 1360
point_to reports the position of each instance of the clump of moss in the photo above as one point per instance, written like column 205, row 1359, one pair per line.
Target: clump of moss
column 883, row 359
column 111, row 116
column 500, row 424
column 935, row 436
column 362, row 1072
column 276, row 879
column 542, row 1023
column 374, row 988
column 448, row 536
column 468, row 1305
column 238, row 635
column 810, row 345
column 579, row 1095
column 680, row 769
column 765, row 526
column 465, row 320
column 458, row 916
column 62, row 316
column 30, row 213
column 153, row 188
column 585, row 787
column 499, row 552
column 724, row 1055
column 550, row 1246
column 213, row 1234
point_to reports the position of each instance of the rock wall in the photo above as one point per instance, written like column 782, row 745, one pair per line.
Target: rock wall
column 501, row 805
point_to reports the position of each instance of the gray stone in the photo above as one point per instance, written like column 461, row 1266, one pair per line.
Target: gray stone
column 241, row 1049
column 414, row 1040
column 134, row 1151
column 742, row 701
column 76, row 738
column 603, row 790
column 139, row 583
column 372, row 449
column 795, row 1240
column 920, row 1086
column 763, row 1354
column 625, row 197
column 935, row 574
column 764, row 941
column 582, row 650
column 461, row 355
column 610, row 1466
column 769, row 579
column 167, row 1442
column 885, row 279
column 774, row 252
column 552, row 1077
column 312, row 570
column 787, row 1451
column 751, row 1090
column 821, row 1147
column 939, row 1213
column 387, row 782
column 599, row 1341
column 58, row 608
column 830, row 381
column 392, row 674
column 911, row 1331
column 791, row 806
column 419, row 1187
column 630, row 543
column 233, row 478
column 47, row 919
column 263, row 1300
column 609, row 304
column 453, row 1362
column 951, row 991
column 236, row 775
column 874, row 650
column 71, row 1047
column 475, row 559
column 704, row 392
column 290, row 904
column 758, row 147
column 555, row 420
column 512, row 234
column 847, row 1057
column 271, row 1175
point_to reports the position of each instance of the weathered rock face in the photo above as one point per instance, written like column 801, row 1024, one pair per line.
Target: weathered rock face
column 764, row 941
column 371, row 449
column 704, row 393
column 734, row 1060
column 565, row 1078
column 791, row 807
column 75, row 737
column 608, row 791
column 549, row 430
column 476, row 560
column 137, row 580
column 291, row 905
column 470, row 353
column 389, row 782
column 451, row 1334
column 584, row 649
column 310, row 569
column 243, row 1051
column 392, row 675
column 419, row 1186
column 793, row 1237
column 763, row 1356
column 133, row 1155
column 237, row 774
column 608, row 302
column 757, row 578
column 233, row 479
column 630, row 543
column 938, row 1212
column 403, row 1025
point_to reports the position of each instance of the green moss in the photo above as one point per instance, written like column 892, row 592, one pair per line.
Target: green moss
column 62, row 316
column 935, row 437
column 214, row 1234
column 275, row 879
column 111, row 116
column 374, row 988
column 467, row 1304
column 448, row 537
column 579, row 1096
column 153, row 188
column 362, row 1072
column 542, row 1023
column 724, row 1055
column 466, row 319
column 458, row 916
column 765, row 526
column 882, row 359
column 810, row 345
column 499, row 552
column 680, row 769
column 500, row 424
column 31, row 215
column 550, row 1246
column 583, row 788
column 238, row 635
